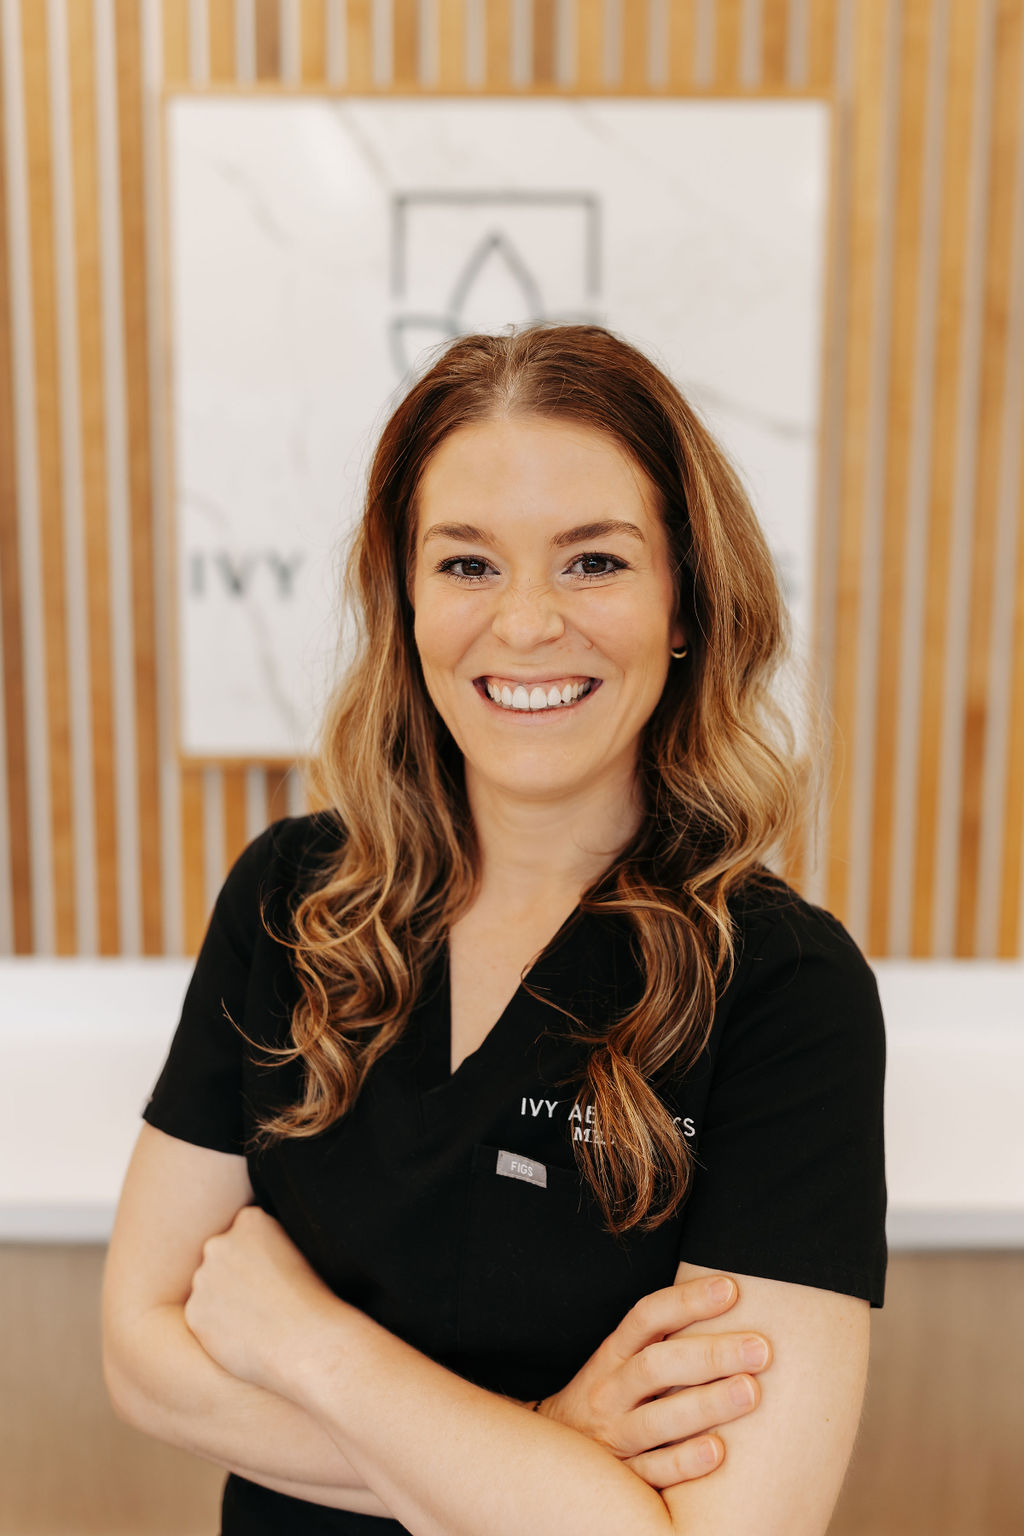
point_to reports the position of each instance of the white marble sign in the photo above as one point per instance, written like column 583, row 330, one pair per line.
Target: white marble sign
column 318, row 246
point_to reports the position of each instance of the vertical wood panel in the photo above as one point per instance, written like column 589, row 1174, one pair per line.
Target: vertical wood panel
column 1009, row 518
column 313, row 41
column 175, row 41
column 12, row 644
column 193, row 857
column 682, row 40
column 136, row 359
column 961, row 65
column 277, row 793
column 35, row 52
column 235, row 814
column 543, row 43
column 821, row 44
column 1010, row 940
column 268, row 40
column 636, row 40
column 774, row 40
column 359, row 44
column 92, row 410
column 1010, row 931
column 916, row 21
column 868, row 112
column 590, row 45
column 190, row 800
column 406, row 50
column 223, row 71
column 451, row 43
column 998, row 278
column 222, row 40
column 807, row 861
column 728, row 44
column 498, row 45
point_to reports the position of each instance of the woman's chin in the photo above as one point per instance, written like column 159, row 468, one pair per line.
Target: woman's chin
column 523, row 775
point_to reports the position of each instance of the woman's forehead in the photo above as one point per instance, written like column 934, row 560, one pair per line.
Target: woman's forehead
column 511, row 475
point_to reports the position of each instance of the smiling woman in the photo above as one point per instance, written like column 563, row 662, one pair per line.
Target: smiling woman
column 532, row 609
column 487, row 1069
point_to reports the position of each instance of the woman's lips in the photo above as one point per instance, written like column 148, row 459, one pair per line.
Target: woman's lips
column 480, row 684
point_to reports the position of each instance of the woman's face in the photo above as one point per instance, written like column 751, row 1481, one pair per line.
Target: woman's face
column 544, row 604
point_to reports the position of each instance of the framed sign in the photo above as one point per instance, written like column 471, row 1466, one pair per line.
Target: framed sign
column 321, row 247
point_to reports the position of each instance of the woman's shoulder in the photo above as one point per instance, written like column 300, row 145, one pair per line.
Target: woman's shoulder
column 801, row 970
column 291, row 854
column 306, row 842
column 768, row 911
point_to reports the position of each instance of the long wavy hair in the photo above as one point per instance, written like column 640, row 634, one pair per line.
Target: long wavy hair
column 722, row 785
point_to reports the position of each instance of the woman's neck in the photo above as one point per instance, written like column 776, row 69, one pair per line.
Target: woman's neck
column 545, row 853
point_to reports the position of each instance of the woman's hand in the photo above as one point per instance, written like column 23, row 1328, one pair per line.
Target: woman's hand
column 648, row 1393
column 655, row 1385
column 256, row 1305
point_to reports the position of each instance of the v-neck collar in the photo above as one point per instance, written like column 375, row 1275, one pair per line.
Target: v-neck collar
column 561, row 960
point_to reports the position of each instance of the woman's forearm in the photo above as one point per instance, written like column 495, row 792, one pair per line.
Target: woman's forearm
column 168, row 1386
column 449, row 1458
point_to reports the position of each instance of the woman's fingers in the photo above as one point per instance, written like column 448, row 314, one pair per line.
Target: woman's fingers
column 678, row 1463
column 687, row 1362
column 684, row 1416
column 671, row 1308
column 655, row 1387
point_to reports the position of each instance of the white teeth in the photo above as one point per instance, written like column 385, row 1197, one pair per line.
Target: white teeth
column 535, row 698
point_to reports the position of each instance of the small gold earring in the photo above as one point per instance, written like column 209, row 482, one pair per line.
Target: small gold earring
column 678, row 655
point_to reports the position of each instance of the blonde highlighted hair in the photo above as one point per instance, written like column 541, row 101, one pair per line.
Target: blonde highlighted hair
column 722, row 783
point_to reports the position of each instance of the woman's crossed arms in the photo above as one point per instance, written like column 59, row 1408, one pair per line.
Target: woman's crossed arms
column 219, row 1337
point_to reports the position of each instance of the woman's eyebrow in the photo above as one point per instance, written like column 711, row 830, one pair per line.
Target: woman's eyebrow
column 466, row 533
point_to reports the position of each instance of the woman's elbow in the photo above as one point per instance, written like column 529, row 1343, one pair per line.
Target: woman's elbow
column 131, row 1361
column 120, row 1378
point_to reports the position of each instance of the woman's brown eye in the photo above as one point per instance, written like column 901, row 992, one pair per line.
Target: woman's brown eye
column 607, row 564
column 455, row 566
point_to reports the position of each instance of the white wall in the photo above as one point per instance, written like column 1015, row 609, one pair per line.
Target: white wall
column 82, row 1042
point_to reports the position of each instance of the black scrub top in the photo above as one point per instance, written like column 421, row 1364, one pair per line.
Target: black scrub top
column 449, row 1207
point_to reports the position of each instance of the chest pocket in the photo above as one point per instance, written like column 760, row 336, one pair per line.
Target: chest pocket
column 539, row 1276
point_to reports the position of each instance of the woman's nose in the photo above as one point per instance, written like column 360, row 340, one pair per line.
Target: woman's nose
column 528, row 615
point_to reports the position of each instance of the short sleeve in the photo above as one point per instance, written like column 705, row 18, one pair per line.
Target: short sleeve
column 198, row 1095
column 790, row 1182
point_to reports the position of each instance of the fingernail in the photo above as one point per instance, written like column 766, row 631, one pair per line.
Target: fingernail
column 721, row 1290
column 741, row 1391
column 708, row 1452
column 754, row 1352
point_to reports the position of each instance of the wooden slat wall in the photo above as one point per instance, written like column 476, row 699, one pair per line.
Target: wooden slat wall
column 17, row 930
column 54, row 703
column 110, row 845
column 92, row 410
column 997, row 362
